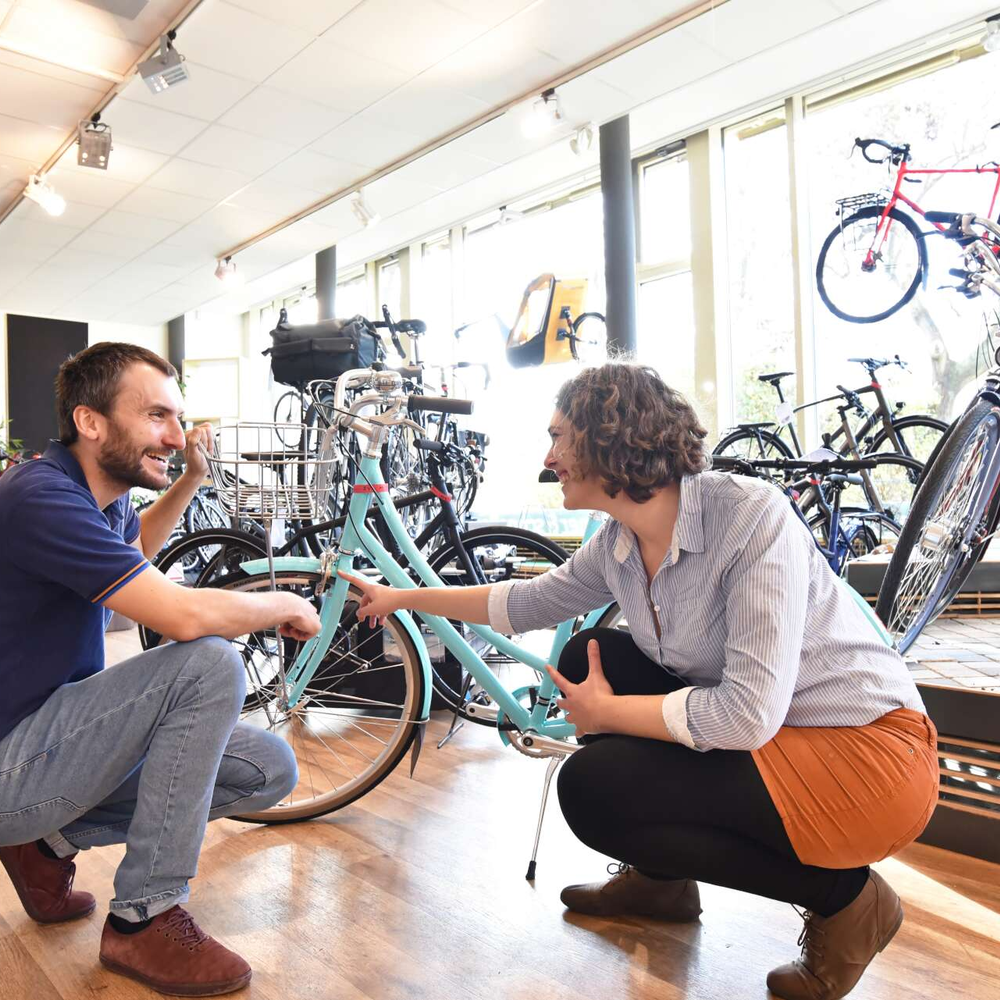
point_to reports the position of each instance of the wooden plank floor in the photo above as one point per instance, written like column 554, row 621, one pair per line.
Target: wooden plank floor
column 418, row 891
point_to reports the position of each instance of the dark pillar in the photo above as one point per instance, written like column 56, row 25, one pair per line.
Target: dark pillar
column 619, row 234
column 175, row 343
column 326, row 282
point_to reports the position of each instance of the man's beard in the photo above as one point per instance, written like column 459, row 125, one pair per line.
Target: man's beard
column 121, row 460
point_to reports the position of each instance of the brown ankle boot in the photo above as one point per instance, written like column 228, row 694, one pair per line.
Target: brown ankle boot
column 630, row 893
column 174, row 955
column 45, row 885
column 836, row 950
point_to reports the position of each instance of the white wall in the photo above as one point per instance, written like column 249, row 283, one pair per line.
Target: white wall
column 154, row 338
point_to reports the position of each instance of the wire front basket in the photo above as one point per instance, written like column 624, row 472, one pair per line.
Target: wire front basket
column 258, row 475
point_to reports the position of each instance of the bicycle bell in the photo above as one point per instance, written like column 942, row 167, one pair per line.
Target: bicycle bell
column 388, row 383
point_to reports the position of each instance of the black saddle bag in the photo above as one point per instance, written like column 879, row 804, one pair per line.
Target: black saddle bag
column 326, row 349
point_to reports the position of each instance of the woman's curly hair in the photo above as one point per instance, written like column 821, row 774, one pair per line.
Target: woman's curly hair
column 631, row 429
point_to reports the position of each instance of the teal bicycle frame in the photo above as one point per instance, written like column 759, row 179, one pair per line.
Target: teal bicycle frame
column 357, row 537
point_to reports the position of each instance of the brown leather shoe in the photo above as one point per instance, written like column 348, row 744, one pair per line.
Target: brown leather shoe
column 174, row 955
column 630, row 893
column 44, row 885
column 836, row 950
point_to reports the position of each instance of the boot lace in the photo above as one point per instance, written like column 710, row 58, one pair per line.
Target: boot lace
column 181, row 927
column 617, row 868
column 811, row 937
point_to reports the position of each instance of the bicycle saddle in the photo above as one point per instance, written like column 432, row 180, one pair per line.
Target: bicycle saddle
column 773, row 377
column 414, row 327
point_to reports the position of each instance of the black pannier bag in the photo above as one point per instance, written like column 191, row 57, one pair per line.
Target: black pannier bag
column 325, row 349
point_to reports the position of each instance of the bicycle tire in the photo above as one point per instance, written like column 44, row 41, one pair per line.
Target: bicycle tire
column 919, row 434
column 759, row 444
column 592, row 349
column 288, row 410
column 915, row 591
column 869, row 531
column 327, row 702
column 227, row 548
column 859, row 245
column 445, row 562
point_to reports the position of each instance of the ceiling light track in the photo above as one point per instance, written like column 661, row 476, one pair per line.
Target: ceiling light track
column 648, row 34
column 119, row 83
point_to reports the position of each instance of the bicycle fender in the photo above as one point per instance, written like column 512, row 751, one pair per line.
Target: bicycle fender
column 406, row 620
column 302, row 564
column 307, row 564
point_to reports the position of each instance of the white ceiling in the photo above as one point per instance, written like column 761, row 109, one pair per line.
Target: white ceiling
column 288, row 104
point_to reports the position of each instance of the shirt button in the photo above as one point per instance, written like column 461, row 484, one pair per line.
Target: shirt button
column 656, row 608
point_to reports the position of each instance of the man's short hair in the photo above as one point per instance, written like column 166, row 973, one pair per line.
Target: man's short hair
column 91, row 378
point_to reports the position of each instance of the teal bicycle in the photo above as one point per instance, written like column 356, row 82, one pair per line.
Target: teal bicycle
column 353, row 701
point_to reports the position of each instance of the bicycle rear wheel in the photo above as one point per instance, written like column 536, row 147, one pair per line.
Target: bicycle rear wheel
column 500, row 554
column 750, row 444
column 865, row 273
column 863, row 531
column 918, row 434
column 203, row 558
column 948, row 530
column 357, row 716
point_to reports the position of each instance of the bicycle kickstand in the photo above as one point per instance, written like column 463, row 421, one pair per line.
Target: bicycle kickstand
column 554, row 763
column 455, row 724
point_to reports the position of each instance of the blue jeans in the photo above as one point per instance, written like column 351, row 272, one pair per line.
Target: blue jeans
column 143, row 753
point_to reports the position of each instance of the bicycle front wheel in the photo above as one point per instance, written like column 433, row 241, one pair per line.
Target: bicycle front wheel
column 948, row 531
column 357, row 715
column 867, row 271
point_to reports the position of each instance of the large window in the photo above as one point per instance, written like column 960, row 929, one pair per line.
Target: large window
column 945, row 116
column 666, row 334
column 759, row 249
column 352, row 295
column 563, row 237
column 432, row 302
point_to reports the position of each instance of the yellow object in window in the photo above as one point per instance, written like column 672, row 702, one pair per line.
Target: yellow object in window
column 541, row 334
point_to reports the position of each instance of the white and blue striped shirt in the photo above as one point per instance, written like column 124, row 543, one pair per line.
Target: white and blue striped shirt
column 749, row 615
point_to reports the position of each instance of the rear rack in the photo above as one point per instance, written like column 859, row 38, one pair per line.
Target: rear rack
column 854, row 202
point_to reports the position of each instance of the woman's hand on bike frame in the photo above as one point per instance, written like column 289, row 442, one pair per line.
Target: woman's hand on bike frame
column 585, row 704
column 377, row 600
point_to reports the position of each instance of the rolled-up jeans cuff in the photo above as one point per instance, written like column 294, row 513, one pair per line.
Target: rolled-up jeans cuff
column 148, row 907
column 61, row 847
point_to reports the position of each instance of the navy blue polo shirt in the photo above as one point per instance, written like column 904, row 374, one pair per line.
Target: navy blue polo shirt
column 61, row 557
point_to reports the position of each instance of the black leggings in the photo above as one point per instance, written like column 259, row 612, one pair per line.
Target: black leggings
column 673, row 812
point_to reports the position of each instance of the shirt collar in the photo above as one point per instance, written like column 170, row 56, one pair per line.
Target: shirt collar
column 60, row 455
column 688, row 531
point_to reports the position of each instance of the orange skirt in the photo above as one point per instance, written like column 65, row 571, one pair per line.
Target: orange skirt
column 851, row 795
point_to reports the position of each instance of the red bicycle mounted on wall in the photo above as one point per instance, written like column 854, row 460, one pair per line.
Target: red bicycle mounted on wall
column 872, row 263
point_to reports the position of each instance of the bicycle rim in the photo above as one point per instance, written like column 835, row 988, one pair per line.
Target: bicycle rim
column 501, row 555
column 357, row 716
column 865, row 273
column 950, row 539
column 748, row 445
